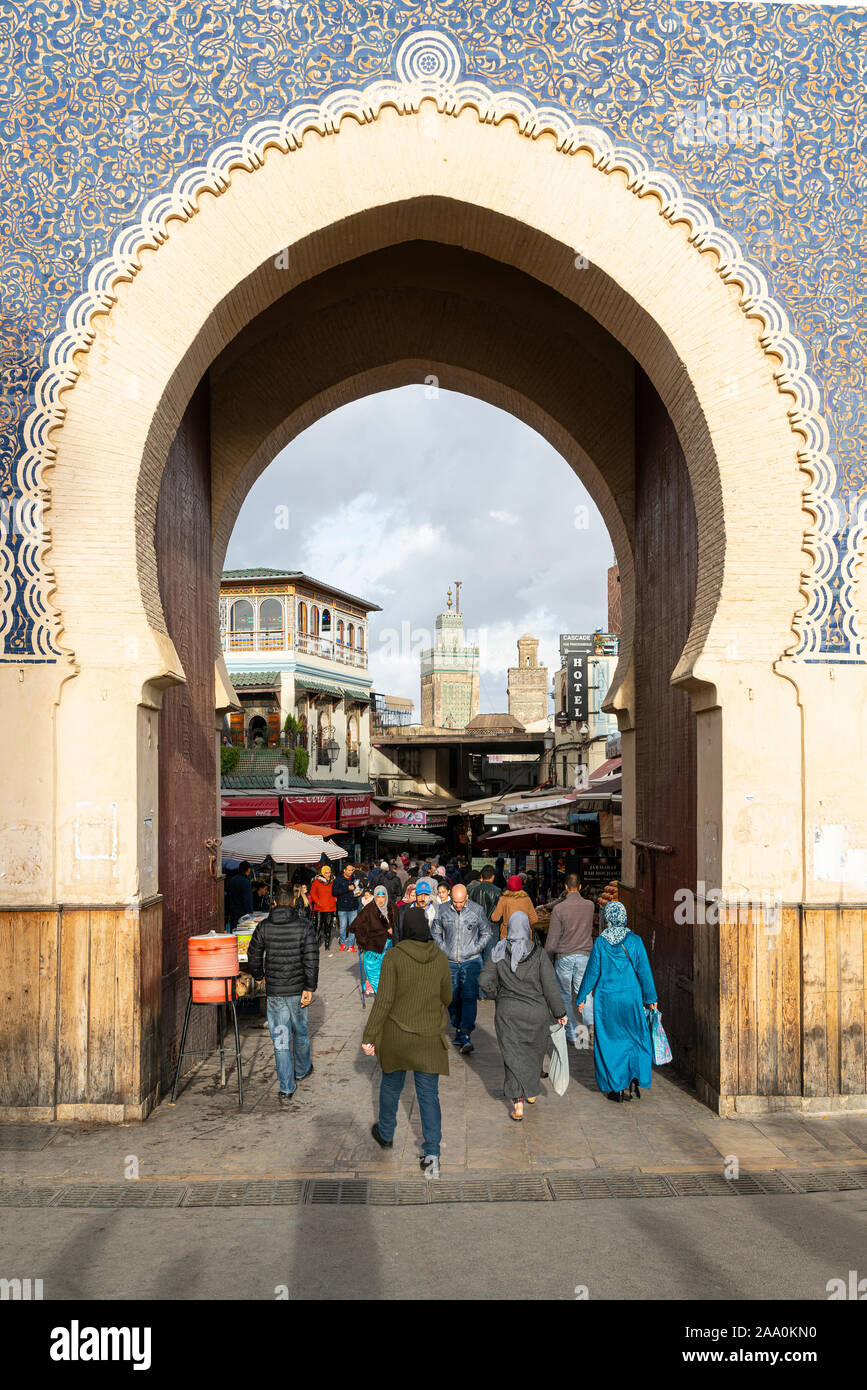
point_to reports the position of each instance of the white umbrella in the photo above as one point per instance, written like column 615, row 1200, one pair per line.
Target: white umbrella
column 283, row 845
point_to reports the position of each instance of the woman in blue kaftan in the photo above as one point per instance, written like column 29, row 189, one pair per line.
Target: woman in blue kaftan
column 618, row 975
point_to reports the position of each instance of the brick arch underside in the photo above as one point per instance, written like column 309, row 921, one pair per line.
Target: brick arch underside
column 389, row 318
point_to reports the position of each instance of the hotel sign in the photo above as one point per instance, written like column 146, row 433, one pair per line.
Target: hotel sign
column 575, row 647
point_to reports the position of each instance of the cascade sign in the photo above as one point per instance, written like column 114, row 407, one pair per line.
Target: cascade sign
column 575, row 642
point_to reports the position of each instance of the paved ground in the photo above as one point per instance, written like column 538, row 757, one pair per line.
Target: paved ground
column 326, row 1130
column 708, row 1248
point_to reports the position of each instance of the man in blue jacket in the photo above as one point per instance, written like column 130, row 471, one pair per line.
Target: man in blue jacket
column 462, row 930
column 348, row 888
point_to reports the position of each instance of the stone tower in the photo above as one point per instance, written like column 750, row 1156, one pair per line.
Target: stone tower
column 449, row 674
column 528, row 683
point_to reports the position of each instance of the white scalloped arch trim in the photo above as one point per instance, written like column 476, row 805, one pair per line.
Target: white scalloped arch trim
column 286, row 133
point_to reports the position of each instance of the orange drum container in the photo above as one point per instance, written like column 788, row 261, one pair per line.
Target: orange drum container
column 214, row 958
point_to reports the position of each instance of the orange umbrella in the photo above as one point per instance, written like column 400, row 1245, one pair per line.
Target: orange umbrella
column 307, row 828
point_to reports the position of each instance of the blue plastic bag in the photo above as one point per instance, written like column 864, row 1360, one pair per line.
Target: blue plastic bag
column 659, row 1042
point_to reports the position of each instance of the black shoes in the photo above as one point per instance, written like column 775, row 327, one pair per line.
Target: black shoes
column 286, row 1096
column 619, row 1096
column 305, row 1076
column 383, row 1143
column 633, row 1089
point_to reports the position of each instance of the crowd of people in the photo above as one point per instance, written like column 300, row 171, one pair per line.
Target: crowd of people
column 433, row 938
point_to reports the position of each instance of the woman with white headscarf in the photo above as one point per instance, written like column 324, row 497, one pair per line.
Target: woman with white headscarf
column 374, row 934
column 520, row 978
column 618, row 973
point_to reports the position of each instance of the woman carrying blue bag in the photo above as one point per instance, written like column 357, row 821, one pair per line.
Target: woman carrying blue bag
column 618, row 974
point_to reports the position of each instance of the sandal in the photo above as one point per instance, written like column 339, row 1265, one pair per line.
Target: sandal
column 531, row 1100
column 518, row 1112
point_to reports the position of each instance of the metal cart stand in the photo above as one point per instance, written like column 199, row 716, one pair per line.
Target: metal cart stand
column 229, row 1002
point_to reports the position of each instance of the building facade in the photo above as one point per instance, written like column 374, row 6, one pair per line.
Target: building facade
column 701, row 444
column 449, row 675
column 528, row 683
column 297, row 647
column 579, row 744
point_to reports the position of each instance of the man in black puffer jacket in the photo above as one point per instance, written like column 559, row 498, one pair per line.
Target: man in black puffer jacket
column 283, row 949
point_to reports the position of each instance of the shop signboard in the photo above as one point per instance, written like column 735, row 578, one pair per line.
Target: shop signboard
column 572, row 643
column 354, row 810
column 316, row 810
column 576, row 687
column 251, row 807
column 597, row 872
column 399, row 816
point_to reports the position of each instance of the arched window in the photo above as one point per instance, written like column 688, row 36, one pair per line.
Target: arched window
column 242, row 616
column 361, row 639
column 271, row 621
column 241, row 636
column 314, row 621
column 340, row 632
column 302, row 617
column 326, row 620
column 350, row 636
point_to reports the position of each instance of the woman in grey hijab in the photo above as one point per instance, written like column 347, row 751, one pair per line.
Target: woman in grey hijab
column 520, row 978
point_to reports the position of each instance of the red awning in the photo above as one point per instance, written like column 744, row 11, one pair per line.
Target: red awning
column 354, row 810
column 315, row 810
column 251, row 807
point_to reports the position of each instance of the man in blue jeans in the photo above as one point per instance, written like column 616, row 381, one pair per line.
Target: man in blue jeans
column 462, row 930
column 284, row 950
column 569, row 942
column 348, row 888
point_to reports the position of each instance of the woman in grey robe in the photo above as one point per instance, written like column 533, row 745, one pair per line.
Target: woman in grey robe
column 520, row 977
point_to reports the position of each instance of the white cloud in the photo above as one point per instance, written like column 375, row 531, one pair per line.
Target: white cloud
column 390, row 498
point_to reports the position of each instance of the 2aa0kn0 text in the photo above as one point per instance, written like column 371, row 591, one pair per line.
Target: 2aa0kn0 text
column 715, row 1333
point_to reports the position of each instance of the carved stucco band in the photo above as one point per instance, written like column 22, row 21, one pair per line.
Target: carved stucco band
column 286, row 133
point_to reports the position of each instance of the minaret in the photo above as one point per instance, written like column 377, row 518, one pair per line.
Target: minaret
column 449, row 672
column 528, row 683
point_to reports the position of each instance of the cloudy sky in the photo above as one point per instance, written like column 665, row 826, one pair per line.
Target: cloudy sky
column 396, row 496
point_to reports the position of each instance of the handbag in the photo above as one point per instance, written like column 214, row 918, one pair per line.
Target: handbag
column 659, row 1044
column 558, row 1065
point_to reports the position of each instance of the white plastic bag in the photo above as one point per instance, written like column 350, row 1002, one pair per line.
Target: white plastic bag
column 558, row 1066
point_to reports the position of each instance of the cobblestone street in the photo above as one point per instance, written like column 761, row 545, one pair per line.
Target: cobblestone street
column 326, row 1129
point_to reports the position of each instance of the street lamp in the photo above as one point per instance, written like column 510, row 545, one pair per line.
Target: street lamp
column 332, row 751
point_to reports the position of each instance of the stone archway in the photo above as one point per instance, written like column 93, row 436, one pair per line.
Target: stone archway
column 684, row 308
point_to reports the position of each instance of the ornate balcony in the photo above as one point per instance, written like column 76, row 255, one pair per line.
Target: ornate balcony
column 273, row 640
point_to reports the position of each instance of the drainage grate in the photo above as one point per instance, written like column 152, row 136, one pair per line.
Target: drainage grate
column 522, row 1187
column 346, row 1192
column 828, row 1181
column 27, row 1196
column 265, row 1192
column 397, row 1194
column 570, row 1187
column 129, row 1194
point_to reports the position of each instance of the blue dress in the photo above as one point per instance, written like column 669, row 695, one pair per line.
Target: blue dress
column 622, row 1046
